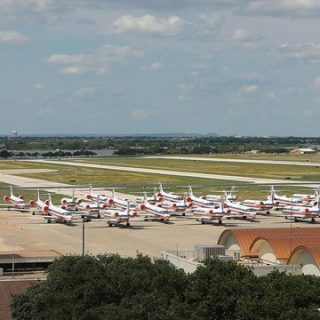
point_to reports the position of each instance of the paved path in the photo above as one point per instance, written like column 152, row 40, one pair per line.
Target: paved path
column 275, row 162
column 312, row 184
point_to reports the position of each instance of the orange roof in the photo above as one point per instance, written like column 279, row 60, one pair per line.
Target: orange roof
column 312, row 249
column 283, row 245
column 246, row 237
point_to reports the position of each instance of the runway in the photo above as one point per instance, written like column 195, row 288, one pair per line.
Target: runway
column 311, row 184
column 275, row 162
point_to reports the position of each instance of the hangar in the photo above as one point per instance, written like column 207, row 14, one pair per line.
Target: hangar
column 276, row 246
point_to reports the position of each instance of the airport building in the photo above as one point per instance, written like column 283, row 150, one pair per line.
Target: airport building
column 299, row 247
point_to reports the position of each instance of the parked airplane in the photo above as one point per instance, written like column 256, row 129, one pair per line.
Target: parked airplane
column 282, row 201
column 231, row 196
column 18, row 202
column 307, row 197
column 200, row 202
column 118, row 217
column 41, row 206
column 94, row 196
column 161, row 214
column 119, row 203
column 70, row 203
column 265, row 205
column 168, row 196
column 299, row 213
column 208, row 215
column 57, row 214
column 152, row 199
column 180, row 206
column 237, row 210
column 92, row 208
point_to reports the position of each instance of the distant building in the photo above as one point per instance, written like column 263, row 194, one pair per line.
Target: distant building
column 14, row 134
column 303, row 151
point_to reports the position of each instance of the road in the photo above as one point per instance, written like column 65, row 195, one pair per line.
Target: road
column 312, row 184
column 275, row 162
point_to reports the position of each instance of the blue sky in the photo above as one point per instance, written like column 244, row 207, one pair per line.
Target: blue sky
column 248, row 67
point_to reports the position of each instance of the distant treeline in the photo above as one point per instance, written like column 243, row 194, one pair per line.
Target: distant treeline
column 57, row 154
column 137, row 145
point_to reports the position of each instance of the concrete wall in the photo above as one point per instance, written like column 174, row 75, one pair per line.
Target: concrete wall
column 179, row 262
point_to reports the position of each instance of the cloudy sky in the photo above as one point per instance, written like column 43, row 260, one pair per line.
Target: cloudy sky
column 248, row 67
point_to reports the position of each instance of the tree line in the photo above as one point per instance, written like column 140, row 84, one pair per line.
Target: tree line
column 111, row 287
column 5, row 154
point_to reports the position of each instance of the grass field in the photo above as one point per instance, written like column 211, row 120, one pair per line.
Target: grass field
column 134, row 183
column 275, row 157
column 271, row 171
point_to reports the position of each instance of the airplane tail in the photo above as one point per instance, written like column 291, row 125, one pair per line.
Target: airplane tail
column 11, row 191
column 38, row 195
column 90, row 188
column 113, row 194
column 272, row 193
column 190, row 193
column 73, row 191
column 49, row 198
column 222, row 206
column 145, row 198
column 160, row 188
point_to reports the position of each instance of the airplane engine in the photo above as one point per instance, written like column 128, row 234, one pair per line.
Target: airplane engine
column 189, row 204
column 78, row 201
column 47, row 202
column 104, row 206
column 110, row 202
column 228, row 211
column 159, row 194
column 63, row 207
column 174, row 205
column 6, row 198
column 63, row 201
column 142, row 207
column 21, row 196
column 134, row 214
column 159, row 198
column 32, row 203
column 210, row 212
column 116, row 214
column 88, row 207
column 277, row 203
column 306, row 210
column 45, row 209
column 88, row 196
column 261, row 203
column 189, row 199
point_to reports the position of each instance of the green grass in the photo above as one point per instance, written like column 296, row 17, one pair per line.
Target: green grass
column 131, row 182
column 276, row 157
column 272, row 171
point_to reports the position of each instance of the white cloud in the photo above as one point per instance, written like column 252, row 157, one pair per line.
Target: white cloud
column 66, row 58
column 298, row 7
column 152, row 66
column 140, row 114
column 149, row 24
column 95, row 62
column 12, row 37
column 240, row 35
column 301, row 51
column 248, row 89
column 72, row 71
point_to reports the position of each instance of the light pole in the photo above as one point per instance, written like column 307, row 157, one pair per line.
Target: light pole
column 83, row 235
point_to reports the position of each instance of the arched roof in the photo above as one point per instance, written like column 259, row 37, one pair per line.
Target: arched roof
column 312, row 249
column 282, row 240
column 282, row 246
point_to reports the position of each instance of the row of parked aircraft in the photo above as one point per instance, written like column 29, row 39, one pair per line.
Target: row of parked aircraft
column 163, row 205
